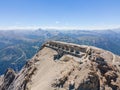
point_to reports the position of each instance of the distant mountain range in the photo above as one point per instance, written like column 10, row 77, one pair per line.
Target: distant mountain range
column 16, row 47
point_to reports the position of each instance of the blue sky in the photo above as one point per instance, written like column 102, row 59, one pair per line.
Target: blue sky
column 82, row 14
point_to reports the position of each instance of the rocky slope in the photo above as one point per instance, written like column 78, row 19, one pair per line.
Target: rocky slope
column 97, row 69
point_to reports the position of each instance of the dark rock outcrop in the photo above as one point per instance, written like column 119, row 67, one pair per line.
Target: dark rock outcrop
column 8, row 79
column 91, row 82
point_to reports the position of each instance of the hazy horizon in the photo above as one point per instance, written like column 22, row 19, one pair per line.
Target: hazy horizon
column 56, row 28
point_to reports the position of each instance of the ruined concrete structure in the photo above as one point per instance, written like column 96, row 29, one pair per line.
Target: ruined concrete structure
column 68, row 48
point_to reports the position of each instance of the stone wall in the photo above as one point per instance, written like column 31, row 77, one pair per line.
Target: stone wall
column 67, row 48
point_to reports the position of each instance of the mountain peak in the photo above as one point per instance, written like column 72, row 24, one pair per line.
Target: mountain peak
column 67, row 66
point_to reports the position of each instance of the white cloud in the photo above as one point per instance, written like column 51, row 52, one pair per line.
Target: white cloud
column 57, row 22
column 60, row 27
column 19, row 27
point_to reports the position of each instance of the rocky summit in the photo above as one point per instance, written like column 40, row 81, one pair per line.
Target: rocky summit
column 66, row 66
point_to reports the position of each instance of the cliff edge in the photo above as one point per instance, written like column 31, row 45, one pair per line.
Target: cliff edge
column 66, row 66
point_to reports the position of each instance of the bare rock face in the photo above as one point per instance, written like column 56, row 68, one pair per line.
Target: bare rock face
column 91, row 82
column 58, row 67
column 8, row 79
